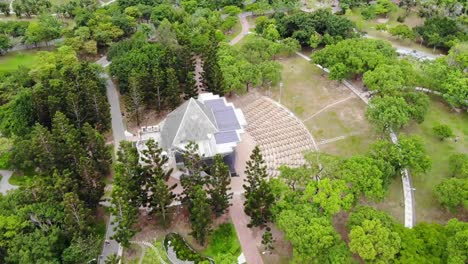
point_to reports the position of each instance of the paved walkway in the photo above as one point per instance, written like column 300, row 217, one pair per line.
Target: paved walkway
column 5, row 186
column 118, row 132
column 246, row 235
column 245, row 28
column 328, row 106
column 408, row 190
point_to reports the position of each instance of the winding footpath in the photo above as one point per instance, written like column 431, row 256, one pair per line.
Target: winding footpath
column 245, row 28
column 5, row 186
column 405, row 51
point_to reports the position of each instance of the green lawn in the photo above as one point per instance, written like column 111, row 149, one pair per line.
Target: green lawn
column 23, row 179
column 307, row 90
column 427, row 207
column 13, row 60
column 223, row 243
column 151, row 257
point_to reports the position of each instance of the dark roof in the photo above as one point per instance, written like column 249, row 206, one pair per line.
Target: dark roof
column 226, row 137
column 225, row 117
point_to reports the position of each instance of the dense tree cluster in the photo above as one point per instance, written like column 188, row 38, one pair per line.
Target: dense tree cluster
column 31, row 7
column 140, row 185
column 141, row 181
column 446, row 75
column 442, row 32
column 445, row 8
column 251, row 65
column 353, row 57
column 376, row 237
column 152, row 74
column 304, row 208
column 59, row 84
column 14, row 28
column 51, row 221
column 301, row 26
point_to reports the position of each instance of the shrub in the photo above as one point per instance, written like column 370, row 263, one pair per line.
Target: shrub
column 381, row 27
column 442, row 131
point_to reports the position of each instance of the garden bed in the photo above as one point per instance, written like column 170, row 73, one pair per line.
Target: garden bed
column 179, row 251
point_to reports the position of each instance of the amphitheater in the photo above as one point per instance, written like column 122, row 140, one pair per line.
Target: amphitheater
column 282, row 137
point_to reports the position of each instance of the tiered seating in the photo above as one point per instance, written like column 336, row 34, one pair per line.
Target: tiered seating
column 282, row 137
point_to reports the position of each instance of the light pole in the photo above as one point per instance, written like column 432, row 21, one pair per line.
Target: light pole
column 281, row 91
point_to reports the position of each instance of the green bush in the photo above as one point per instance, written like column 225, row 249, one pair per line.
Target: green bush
column 183, row 250
column 5, row 160
column 442, row 131
column 381, row 27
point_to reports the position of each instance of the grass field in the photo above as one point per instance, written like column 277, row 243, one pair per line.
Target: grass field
column 307, row 90
column 427, row 207
column 146, row 255
column 21, row 180
column 13, row 60
column 223, row 243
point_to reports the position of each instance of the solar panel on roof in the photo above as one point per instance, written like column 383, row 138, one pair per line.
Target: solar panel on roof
column 215, row 104
column 226, row 137
column 226, row 119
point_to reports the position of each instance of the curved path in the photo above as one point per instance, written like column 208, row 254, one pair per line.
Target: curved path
column 245, row 28
column 408, row 190
column 405, row 51
column 148, row 244
column 5, row 186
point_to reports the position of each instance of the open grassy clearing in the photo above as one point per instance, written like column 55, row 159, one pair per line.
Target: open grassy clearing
column 307, row 90
column 13, row 60
column 369, row 26
column 427, row 207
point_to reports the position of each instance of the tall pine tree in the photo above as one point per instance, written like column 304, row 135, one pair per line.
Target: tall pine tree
column 172, row 92
column 200, row 214
column 194, row 165
column 190, row 86
column 126, row 192
column 212, row 77
column 218, row 186
column 134, row 97
column 258, row 194
column 157, row 195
